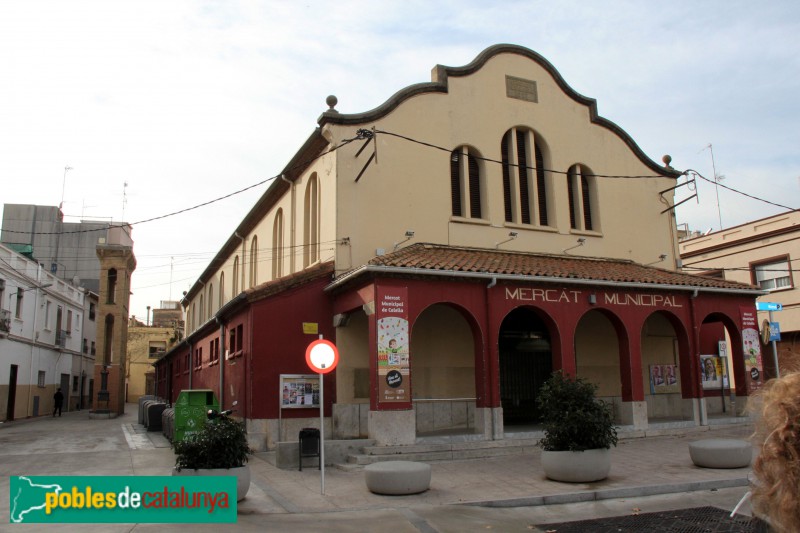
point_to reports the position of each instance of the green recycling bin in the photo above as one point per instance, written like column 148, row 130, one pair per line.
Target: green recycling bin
column 191, row 411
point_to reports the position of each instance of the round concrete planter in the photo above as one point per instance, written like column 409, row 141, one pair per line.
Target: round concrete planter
column 577, row 467
column 242, row 474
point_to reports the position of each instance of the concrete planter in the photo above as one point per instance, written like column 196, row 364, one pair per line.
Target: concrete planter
column 577, row 467
column 242, row 474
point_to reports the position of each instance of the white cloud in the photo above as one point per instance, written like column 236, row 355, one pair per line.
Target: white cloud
column 189, row 100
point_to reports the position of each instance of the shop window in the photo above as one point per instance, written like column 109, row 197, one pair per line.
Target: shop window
column 465, row 183
column 773, row 275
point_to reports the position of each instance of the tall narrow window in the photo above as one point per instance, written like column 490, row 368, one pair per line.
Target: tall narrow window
column 111, row 286
column 202, row 307
column 221, row 289
column 580, row 184
column 277, row 245
column 465, row 183
column 18, row 311
column 254, row 261
column 235, row 276
column 108, row 340
column 524, row 180
column 311, row 219
column 210, row 300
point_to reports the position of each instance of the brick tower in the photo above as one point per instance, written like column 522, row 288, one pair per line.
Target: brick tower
column 117, row 263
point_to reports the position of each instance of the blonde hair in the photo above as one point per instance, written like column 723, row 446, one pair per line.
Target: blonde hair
column 776, row 494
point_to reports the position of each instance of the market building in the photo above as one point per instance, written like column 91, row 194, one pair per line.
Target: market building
column 458, row 243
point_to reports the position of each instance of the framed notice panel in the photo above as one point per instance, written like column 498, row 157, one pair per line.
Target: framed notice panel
column 299, row 391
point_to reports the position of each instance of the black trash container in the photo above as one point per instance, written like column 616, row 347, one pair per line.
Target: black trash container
column 309, row 445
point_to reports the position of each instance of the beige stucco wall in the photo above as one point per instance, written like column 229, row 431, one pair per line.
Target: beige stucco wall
column 409, row 187
column 734, row 249
column 597, row 353
column 139, row 361
column 352, row 341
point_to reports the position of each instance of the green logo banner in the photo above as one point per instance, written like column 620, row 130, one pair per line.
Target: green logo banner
column 122, row 499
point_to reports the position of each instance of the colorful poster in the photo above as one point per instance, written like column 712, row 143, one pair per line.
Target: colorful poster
column 299, row 391
column 751, row 345
column 712, row 372
column 393, row 345
column 664, row 379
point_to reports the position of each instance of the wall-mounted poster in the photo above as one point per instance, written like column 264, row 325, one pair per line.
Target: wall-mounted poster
column 393, row 353
column 664, row 379
column 751, row 344
column 299, row 391
column 713, row 372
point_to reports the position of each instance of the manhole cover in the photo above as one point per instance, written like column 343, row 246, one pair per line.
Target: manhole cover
column 696, row 520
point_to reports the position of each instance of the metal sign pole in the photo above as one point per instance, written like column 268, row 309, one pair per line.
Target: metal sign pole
column 322, row 430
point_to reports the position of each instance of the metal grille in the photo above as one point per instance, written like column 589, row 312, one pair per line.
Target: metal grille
column 695, row 520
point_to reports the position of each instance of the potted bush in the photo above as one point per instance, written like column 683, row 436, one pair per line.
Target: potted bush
column 578, row 430
column 219, row 449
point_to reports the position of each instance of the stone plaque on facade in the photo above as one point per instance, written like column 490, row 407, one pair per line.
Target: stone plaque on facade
column 521, row 89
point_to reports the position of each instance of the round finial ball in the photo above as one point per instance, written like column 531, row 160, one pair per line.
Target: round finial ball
column 667, row 159
column 331, row 101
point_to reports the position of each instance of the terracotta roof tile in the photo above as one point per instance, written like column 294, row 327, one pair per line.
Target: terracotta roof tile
column 449, row 258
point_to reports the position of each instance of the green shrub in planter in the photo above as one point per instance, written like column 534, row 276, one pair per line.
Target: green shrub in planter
column 574, row 419
column 222, row 443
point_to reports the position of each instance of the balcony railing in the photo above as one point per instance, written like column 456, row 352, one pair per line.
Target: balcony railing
column 61, row 338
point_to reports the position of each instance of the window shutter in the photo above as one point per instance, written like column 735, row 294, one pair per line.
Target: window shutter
column 541, row 187
column 504, row 149
column 522, row 161
column 571, row 194
column 474, row 187
column 455, row 182
column 587, row 207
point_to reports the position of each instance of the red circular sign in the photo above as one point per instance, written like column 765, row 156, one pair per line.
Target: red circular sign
column 322, row 356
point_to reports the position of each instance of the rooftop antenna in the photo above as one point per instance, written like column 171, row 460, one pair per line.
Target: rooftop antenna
column 64, row 186
column 717, row 179
column 124, row 200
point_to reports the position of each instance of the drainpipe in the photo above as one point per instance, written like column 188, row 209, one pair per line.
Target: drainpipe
column 192, row 363
column 292, row 226
column 488, row 387
column 695, row 339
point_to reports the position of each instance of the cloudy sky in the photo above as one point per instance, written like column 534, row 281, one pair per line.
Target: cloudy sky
column 187, row 100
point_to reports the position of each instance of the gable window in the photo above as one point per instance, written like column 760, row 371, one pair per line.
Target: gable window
column 773, row 275
column 277, row 245
column 465, row 183
column 311, row 226
column 580, row 189
column 524, row 183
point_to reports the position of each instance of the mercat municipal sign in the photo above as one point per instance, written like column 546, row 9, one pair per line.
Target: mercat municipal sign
column 524, row 294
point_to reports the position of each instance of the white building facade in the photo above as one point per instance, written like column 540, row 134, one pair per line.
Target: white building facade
column 44, row 329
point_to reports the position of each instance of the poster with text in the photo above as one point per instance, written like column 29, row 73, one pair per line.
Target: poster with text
column 299, row 391
column 751, row 346
column 393, row 351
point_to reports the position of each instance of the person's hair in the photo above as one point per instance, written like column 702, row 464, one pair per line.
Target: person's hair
column 777, row 467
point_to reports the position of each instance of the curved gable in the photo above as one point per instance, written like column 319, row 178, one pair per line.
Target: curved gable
column 439, row 84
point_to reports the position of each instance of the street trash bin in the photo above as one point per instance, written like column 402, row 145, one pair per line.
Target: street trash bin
column 309, row 445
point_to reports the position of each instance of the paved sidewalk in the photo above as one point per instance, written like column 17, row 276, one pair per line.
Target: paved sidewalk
column 75, row 445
